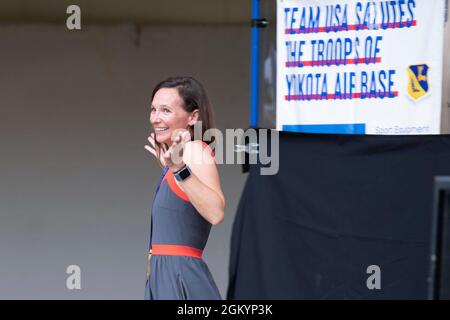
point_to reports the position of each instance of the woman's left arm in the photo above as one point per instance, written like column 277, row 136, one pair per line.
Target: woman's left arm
column 203, row 186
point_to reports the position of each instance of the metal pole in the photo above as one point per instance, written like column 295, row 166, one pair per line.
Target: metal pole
column 254, row 85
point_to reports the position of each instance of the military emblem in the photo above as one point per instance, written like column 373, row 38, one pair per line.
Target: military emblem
column 418, row 81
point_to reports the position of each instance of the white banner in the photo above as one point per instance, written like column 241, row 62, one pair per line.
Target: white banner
column 361, row 67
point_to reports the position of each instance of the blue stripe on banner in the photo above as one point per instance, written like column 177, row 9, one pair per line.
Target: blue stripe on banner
column 352, row 128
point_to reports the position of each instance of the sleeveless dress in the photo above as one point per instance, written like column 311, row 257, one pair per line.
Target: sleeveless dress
column 178, row 236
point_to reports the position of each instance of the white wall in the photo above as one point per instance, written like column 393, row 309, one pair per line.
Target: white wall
column 76, row 182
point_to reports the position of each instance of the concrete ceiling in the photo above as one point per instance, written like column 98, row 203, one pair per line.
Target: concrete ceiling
column 136, row 11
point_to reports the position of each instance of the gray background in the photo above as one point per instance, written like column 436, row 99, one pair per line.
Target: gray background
column 76, row 182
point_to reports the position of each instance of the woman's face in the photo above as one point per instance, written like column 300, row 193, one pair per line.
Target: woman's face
column 167, row 114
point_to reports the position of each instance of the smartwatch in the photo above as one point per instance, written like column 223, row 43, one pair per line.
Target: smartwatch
column 183, row 173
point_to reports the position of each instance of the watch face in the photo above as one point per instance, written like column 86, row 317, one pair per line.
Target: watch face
column 183, row 174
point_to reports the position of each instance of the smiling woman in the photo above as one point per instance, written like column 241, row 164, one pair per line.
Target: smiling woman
column 188, row 199
column 168, row 114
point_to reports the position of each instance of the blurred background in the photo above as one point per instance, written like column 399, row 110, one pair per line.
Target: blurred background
column 76, row 182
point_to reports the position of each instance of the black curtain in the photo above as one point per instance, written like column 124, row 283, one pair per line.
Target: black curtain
column 338, row 204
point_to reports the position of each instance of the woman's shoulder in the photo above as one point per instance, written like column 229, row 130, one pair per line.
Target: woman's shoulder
column 198, row 150
column 198, row 143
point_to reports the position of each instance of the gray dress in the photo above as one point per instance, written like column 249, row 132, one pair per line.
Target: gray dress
column 175, row 221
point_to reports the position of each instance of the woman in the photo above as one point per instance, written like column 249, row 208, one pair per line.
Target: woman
column 188, row 199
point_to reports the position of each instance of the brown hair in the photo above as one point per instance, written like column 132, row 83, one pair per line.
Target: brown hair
column 194, row 97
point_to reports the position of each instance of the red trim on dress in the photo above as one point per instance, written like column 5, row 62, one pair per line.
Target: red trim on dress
column 176, row 250
column 174, row 187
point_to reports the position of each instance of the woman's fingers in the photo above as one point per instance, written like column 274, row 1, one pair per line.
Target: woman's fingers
column 157, row 150
column 175, row 153
column 170, row 154
column 180, row 135
column 186, row 136
column 151, row 139
column 151, row 150
column 163, row 148
column 167, row 154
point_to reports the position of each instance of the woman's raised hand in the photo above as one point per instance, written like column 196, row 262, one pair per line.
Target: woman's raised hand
column 173, row 157
column 153, row 149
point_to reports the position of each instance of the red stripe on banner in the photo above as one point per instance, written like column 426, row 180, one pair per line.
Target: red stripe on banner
column 334, row 62
column 301, row 97
column 350, row 27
